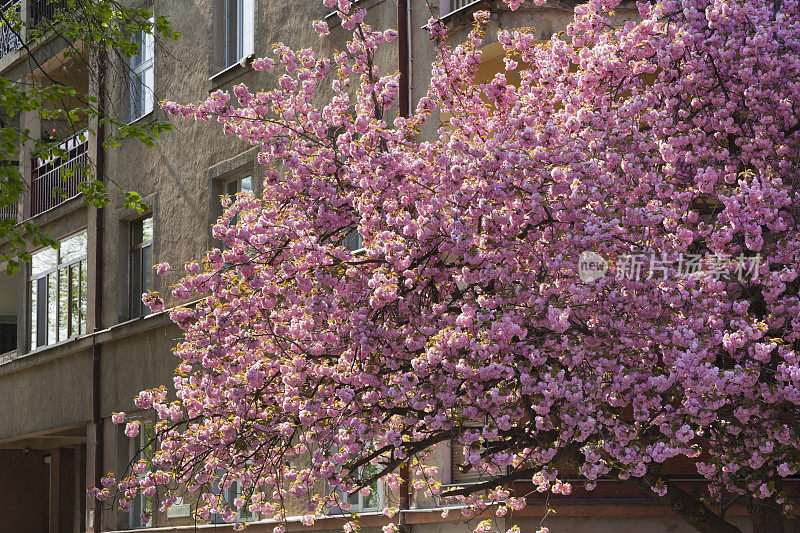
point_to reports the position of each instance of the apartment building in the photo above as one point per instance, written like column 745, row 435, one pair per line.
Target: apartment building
column 76, row 344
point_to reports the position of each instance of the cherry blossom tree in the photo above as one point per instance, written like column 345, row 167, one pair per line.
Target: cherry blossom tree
column 589, row 271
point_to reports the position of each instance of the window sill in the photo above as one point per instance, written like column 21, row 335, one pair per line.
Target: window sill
column 357, row 3
column 73, row 345
column 7, row 357
column 150, row 114
column 227, row 72
column 40, row 349
column 454, row 12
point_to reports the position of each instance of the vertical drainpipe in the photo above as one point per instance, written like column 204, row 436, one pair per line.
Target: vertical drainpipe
column 403, row 10
column 100, row 160
column 402, row 42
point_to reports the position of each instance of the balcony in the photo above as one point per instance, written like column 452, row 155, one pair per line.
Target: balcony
column 56, row 180
column 448, row 6
column 9, row 41
column 9, row 211
column 46, row 10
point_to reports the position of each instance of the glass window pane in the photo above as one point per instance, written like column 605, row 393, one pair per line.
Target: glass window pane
column 147, row 276
column 148, row 98
column 136, row 282
column 52, row 308
column 63, row 307
column 43, row 260
column 147, row 230
column 74, row 299
column 33, row 317
column 82, row 324
column 232, row 38
column 246, row 184
column 353, row 241
column 135, row 97
column 73, row 247
column 40, row 293
column 147, row 268
column 136, row 232
column 138, row 39
column 149, row 45
column 371, row 500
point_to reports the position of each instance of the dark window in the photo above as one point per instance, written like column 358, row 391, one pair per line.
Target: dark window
column 238, row 185
column 8, row 337
column 141, row 265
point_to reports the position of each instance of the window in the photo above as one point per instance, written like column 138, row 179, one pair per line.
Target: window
column 360, row 503
column 141, row 265
column 58, row 292
column 9, row 305
column 353, row 241
column 141, row 447
column 231, row 188
column 8, row 334
column 235, row 31
column 229, row 495
column 141, row 76
column 235, row 186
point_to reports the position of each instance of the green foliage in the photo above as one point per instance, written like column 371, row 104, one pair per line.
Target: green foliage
column 85, row 28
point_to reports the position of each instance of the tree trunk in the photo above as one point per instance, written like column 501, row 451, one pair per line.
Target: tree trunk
column 766, row 516
column 688, row 507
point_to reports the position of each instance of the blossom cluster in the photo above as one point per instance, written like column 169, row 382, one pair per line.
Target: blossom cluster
column 462, row 317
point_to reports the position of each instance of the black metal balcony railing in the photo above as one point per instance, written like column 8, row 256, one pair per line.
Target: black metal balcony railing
column 9, row 211
column 458, row 4
column 46, row 10
column 9, row 40
column 50, row 184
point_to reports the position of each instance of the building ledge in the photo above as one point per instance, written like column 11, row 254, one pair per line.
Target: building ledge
column 52, row 352
column 597, row 508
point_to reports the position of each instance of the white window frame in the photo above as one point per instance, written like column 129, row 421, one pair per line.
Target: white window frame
column 68, row 267
column 240, row 43
column 141, row 81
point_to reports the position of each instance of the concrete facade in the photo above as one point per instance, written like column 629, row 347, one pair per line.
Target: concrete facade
column 48, row 394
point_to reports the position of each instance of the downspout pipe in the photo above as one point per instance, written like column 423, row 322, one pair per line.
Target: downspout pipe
column 402, row 44
column 100, row 161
